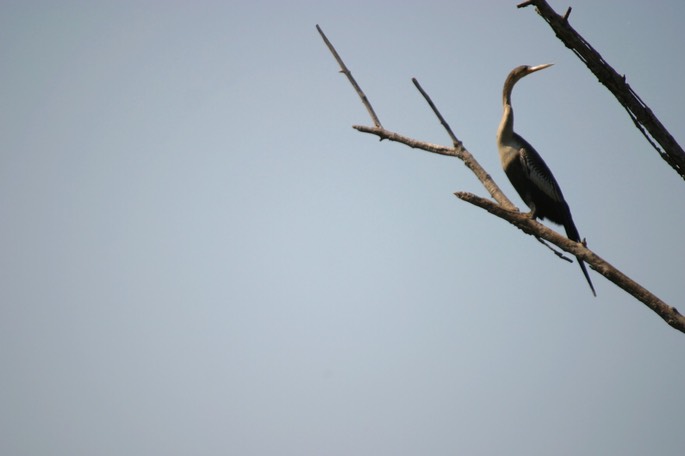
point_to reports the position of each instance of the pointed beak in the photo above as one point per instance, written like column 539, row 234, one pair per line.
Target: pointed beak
column 539, row 67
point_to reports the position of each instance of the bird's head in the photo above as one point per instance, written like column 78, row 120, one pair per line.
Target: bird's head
column 524, row 70
column 516, row 75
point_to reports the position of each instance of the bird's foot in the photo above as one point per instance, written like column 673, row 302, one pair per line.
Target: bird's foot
column 533, row 214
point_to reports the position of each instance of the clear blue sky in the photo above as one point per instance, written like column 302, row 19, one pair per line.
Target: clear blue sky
column 201, row 256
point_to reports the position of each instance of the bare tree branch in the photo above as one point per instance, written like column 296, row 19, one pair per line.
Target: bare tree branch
column 504, row 209
column 346, row 72
column 460, row 152
column 643, row 117
column 555, row 251
column 526, row 224
column 442, row 120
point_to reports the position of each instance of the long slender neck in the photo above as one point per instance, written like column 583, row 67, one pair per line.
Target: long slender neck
column 505, row 132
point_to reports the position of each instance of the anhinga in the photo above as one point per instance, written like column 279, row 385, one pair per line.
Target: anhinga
column 528, row 172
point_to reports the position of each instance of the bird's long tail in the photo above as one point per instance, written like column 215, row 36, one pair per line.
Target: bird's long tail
column 572, row 233
column 581, row 263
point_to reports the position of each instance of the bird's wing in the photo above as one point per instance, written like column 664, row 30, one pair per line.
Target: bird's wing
column 538, row 172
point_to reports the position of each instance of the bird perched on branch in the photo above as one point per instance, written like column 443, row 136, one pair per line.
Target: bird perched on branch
column 528, row 172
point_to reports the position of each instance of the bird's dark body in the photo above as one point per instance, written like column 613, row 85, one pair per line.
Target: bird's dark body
column 545, row 200
column 528, row 172
column 542, row 204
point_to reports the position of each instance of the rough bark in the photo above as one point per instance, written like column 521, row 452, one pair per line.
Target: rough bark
column 643, row 117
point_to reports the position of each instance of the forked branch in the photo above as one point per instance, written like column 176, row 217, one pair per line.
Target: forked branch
column 503, row 208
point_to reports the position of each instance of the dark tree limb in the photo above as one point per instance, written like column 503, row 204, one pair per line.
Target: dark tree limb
column 641, row 115
column 503, row 208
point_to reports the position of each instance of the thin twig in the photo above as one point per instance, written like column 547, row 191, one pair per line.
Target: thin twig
column 382, row 133
column 444, row 123
column 464, row 155
column 555, row 251
column 567, row 14
column 346, row 72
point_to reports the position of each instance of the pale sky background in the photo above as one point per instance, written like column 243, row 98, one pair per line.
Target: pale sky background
column 200, row 256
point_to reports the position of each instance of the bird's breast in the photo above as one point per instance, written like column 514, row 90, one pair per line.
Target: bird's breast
column 508, row 153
